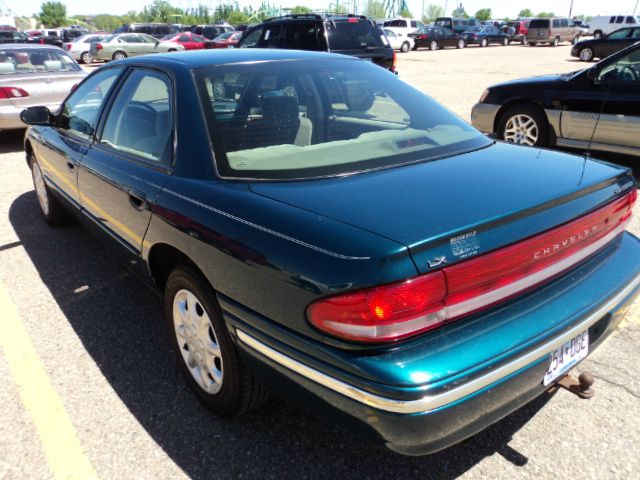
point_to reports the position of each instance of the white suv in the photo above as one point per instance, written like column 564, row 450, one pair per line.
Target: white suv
column 605, row 24
column 403, row 26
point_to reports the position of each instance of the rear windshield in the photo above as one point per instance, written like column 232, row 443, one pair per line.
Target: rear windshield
column 311, row 118
column 539, row 23
column 354, row 33
column 29, row 60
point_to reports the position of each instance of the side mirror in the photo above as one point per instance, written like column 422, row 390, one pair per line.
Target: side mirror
column 36, row 116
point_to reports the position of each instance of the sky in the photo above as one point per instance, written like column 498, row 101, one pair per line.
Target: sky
column 500, row 8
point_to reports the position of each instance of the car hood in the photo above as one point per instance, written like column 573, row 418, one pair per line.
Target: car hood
column 462, row 205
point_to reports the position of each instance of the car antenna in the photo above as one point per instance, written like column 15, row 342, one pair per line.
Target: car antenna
column 595, row 127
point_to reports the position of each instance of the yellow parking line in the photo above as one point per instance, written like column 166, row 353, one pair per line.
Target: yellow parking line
column 60, row 443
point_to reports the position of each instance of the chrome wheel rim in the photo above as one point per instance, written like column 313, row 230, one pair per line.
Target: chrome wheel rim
column 460, row 43
column 521, row 129
column 41, row 189
column 120, row 56
column 586, row 54
column 483, row 43
column 197, row 341
column 86, row 58
column 433, row 45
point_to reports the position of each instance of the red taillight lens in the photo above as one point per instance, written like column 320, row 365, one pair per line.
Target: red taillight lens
column 422, row 37
column 395, row 311
column 12, row 92
column 99, row 46
column 68, row 45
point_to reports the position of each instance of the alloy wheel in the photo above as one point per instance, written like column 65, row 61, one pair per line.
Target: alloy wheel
column 460, row 43
column 41, row 189
column 197, row 341
column 86, row 57
column 586, row 54
column 483, row 42
column 521, row 129
column 433, row 45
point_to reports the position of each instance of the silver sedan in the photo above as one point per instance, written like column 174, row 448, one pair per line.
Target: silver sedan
column 33, row 75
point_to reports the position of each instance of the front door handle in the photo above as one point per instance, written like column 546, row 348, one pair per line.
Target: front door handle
column 138, row 200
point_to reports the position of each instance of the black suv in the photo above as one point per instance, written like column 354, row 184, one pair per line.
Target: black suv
column 211, row 31
column 347, row 34
column 157, row 30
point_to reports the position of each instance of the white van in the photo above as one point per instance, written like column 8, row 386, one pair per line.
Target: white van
column 606, row 24
column 403, row 26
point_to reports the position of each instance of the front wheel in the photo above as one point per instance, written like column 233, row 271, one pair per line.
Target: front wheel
column 433, row 45
column 461, row 44
column 524, row 125
column 52, row 210
column 523, row 41
column 205, row 352
column 405, row 47
column 597, row 34
column 119, row 56
column 556, row 42
column 586, row 54
column 484, row 42
column 86, row 58
column 532, row 44
column 505, row 42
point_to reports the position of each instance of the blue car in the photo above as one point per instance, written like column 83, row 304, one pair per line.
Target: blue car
column 323, row 231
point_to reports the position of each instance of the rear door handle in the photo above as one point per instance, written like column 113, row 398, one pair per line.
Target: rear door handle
column 71, row 165
column 138, row 200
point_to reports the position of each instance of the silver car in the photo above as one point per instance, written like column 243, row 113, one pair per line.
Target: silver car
column 118, row 47
column 34, row 75
column 80, row 48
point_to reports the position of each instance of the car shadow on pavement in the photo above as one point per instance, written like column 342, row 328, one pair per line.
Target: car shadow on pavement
column 120, row 323
column 11, row 141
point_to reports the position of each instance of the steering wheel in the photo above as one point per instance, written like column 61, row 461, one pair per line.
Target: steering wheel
column 629, row 74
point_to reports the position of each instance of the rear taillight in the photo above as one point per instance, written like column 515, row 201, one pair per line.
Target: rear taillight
column 422, row 37
column 399, row 310
column 68, row 45
column 394, row 63
column 12, row 92
column 99, row 46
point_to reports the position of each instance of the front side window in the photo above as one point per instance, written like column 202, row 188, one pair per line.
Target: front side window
column 631, row 20
column 564, row 22
column 140, row 120
column 79, row 114
column 556, row 23
column 273, row 36
column 625, row 71
column 303, row 36
column 252, row 38
column 305, row 119
column 635, row 34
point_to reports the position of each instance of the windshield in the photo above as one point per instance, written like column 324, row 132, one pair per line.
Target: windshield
column 224, row 36
column 539, row 23
column 352, row 34
column 311, row 118
column 27, row 60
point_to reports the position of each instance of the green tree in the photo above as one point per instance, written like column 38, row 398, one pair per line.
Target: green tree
column 433, row 12
column 525, row 13
column 107, row 22
column 546, row 15
column 340, row 10
column 405, row 13
column 459, row 12
column 237, row 18
column 53, row 14
column 300, row 9
column 375, row 9
column 483, row 14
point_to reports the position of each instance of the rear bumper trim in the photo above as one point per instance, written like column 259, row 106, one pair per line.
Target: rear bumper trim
column 432, row 402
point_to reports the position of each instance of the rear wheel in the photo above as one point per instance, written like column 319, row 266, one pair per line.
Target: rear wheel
column 555, row 42
column 85, row 57
column 206, row 354
column 52, row 210
column 484, row 42
column 597, row 34
column 119, row 55
column 505, row 42
column 524, row 125
column 461, row 43
column 405, row 47
column 586, row 54
column 532, row 44
column 433, row 45
column 523, row 41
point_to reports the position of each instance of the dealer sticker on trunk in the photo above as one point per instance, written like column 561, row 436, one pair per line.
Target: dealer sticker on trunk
column 465, row 245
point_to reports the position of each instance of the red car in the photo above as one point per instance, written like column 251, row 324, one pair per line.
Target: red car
column 189, row 40
column 226, row 40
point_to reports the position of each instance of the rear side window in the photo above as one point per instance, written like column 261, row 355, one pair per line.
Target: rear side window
column 631, row 20
column 353, row 35
column 539, row 23
column 252, row 38
column 303, row 36
column 413, row 24
column 619, row 19
column 273, row 37
column 556, row 24
column 564, row 22
column 140, row 121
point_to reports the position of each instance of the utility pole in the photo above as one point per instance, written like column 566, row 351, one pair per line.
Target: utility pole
column 570, row 8
column 635, row 8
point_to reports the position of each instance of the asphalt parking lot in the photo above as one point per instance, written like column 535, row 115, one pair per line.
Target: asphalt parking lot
column 89, row 387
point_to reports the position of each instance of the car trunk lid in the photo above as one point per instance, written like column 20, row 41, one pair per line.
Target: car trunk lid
column 454, row 209
column 42, row 88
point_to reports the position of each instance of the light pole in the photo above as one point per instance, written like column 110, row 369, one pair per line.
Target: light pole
column 635, row 8
column 570, row 8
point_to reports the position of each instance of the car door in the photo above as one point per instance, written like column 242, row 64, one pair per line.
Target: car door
column 619, row 123
column 148, row 44
column 62, row 147
column 123, row 172
column 448, row 37
column 615, row 42
column 580, row 105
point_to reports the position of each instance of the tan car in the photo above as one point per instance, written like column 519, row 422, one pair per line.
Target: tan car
column 121, row 46
column 552, row 31
column 34, row 75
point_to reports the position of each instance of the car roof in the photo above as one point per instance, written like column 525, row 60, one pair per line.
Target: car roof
column 204, row 58
column 30, row 46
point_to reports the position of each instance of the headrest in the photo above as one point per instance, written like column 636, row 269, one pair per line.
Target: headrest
column 53, row 65
column 7, row 67
column 279, row 106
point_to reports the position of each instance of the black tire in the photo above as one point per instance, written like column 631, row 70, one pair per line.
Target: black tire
column 415, row 47
column 53, row 212
column 532, row 111
column 556, row 42
column 85, row 57
column 239, row 392
column 119, row 55
column 524, row 41
column 597, row 34
column 532, row 44
column 484, row 42
column 405, row 47
column 461, row 43
column 433, row 45
column 586, row 54
column 505, row 42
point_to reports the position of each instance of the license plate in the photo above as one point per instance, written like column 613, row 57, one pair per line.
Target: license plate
column 565, row 357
